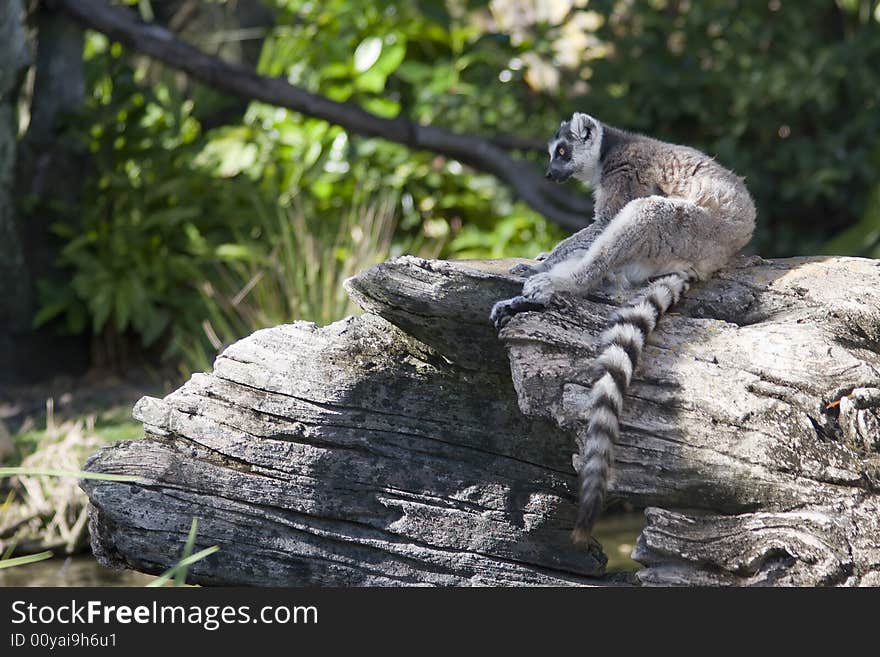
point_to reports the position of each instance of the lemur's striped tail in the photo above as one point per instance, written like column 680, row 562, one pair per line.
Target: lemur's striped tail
column 620, row 346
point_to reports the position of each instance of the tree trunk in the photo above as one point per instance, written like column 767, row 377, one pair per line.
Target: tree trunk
column 49, row 179
column 410, row 445
column 14, row 281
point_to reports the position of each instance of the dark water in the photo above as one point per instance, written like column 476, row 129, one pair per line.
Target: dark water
column 81, row 570
column 617, row 533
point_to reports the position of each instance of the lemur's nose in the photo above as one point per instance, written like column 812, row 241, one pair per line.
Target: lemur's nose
column 548, row 174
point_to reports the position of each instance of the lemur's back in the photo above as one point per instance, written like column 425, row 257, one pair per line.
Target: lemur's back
column 682, row 172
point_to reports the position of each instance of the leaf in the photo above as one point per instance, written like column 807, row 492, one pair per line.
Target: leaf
column 372, row 81
column 392, row 56
column 366, row 54
column 100, row 306
column 170, row 217
column 49, row 311
column 121, row 307
column 339, row 92
column 335, row 70
column 322, row 189
column 415, row 73
column 234, row 252
column 382, row 107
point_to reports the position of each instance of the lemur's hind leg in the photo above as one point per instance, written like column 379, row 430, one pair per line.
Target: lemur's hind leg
column 650, row 236
column 571, row 247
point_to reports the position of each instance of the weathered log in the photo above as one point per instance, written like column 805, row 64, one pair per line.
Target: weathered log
column 410, row 445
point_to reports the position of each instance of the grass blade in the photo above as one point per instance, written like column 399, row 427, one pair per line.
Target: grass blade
column 180, row 577
column 28, row 558
column 183, row 563
column 179, row 570
column 46, row 472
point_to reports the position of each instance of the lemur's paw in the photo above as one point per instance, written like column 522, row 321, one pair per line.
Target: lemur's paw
column 504, row 310
column 501, row 314
column 524, row 270
column 541, row 288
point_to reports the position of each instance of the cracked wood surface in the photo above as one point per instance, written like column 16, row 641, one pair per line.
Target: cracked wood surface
column 412, row 446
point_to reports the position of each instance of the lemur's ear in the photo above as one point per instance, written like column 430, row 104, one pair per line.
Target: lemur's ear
column 581, row 126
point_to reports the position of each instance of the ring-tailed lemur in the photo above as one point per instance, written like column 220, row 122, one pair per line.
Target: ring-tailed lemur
column 664, row 213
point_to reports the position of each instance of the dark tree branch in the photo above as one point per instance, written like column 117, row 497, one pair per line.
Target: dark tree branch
column 561, row 206
column 517, row 143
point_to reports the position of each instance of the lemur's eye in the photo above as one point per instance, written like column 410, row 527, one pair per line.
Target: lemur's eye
column 561, row 151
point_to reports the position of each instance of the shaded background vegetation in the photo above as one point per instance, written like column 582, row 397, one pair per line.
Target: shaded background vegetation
column 201, row 217
column 147, row 220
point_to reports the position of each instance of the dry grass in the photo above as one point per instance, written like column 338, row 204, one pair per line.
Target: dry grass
column 48, row 512
column 295, row 274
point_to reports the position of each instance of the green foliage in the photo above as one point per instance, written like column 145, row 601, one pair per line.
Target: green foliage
column 190, row 238
column 785, row 93
column 194, row 239
column 388, row 58
column 516, row 235
column 150, row 215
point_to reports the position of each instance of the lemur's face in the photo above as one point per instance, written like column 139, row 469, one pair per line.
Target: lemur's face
column 574, row 149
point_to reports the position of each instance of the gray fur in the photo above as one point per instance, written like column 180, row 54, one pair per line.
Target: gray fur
column 662, row 211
